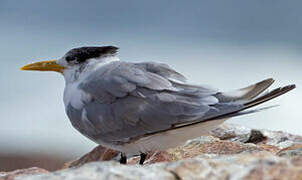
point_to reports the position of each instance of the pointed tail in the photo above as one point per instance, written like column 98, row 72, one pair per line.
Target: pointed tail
column 257, row 100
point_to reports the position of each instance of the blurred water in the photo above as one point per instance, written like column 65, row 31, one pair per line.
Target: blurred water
column 211, row 43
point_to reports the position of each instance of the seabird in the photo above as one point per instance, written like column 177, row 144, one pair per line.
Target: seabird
column 136, row 108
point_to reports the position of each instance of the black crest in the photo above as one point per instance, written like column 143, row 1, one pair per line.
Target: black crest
column 83, row 53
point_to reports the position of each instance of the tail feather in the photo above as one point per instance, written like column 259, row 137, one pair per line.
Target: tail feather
column 270, row 95
column 245, row 94
column 259, row 100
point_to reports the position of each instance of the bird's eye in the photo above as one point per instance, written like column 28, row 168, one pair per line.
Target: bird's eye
column 70, row 58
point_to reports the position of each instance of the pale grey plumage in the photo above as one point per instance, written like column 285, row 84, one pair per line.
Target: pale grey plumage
column 130, row 100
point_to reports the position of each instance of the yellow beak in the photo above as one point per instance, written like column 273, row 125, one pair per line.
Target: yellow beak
column 44, row 66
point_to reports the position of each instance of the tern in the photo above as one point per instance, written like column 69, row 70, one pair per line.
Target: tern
column 136, row 108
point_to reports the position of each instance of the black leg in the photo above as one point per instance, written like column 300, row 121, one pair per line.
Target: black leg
column 123, row 159
column 143, row 158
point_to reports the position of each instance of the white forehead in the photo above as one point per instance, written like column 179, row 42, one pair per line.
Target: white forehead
column 62, row 61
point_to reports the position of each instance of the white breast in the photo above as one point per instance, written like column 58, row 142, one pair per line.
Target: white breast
column 74, row 96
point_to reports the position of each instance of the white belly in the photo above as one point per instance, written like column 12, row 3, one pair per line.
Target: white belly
column 169, row 139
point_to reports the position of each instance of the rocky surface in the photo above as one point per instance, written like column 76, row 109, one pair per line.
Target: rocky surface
column 21, row 172
column 232, row 152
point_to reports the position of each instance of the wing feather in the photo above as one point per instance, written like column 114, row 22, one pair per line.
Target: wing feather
column 133, row 99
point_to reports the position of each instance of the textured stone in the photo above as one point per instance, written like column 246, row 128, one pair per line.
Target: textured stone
column 21, row 172
column 260, row 165
column 294, row 150
column 232, row 132
column 99, row 153
column 105, row 171
column 281, row 139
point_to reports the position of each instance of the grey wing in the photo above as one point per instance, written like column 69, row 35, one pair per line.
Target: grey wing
column 133, row 99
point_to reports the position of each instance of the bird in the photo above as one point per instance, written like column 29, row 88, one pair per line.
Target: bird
column 136, row 108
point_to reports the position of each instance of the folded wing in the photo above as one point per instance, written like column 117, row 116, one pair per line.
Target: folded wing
column 130, row 100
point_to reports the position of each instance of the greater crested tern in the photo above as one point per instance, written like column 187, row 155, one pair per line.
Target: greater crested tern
column 136, row 108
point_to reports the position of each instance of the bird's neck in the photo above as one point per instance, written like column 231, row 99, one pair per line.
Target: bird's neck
column 80, row 72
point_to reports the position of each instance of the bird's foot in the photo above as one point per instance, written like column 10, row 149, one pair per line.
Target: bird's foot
column 123, row 159
column 143, row 158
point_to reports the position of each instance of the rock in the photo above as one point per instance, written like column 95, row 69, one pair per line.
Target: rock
column 277, row 139
column 261, row 165
column 232, row 132
column 99, row 153
column 281, row 139
column 232, row 152
column 105, row 171
column 294, row 150
column 21, row 172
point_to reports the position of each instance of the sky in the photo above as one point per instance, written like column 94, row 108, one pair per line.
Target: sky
column 225, row 44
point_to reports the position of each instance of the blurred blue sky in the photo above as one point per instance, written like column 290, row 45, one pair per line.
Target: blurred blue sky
column 227, row 44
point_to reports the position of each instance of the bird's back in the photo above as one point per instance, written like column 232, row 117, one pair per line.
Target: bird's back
column 130, row 100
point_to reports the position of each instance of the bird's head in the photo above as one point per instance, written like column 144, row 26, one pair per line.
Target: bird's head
column 74, row 60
